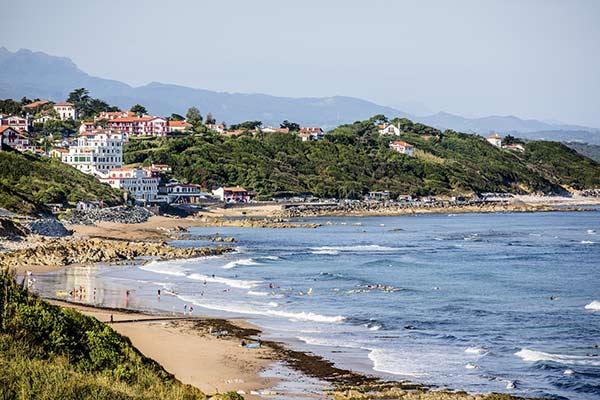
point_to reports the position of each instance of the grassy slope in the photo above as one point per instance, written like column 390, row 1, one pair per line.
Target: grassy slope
column 354, row 159
column 28, row 181
column 48, row 352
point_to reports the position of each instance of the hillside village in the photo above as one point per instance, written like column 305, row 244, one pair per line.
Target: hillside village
column 92, row 135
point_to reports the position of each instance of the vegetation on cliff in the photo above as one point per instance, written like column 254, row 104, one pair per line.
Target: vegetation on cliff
column 27, row 182
column 49, row 352
column 354, row 159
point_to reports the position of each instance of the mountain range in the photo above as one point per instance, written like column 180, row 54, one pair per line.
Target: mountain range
column 39, row 75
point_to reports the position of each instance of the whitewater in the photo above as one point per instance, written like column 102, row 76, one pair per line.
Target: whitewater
column 504, row 303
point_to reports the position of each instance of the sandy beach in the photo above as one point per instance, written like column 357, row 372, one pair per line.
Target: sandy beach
column 185, row 348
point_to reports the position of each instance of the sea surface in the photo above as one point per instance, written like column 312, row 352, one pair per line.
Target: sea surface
column 481, row 302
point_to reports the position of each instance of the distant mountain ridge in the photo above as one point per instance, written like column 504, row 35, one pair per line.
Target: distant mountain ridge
column 37, row 74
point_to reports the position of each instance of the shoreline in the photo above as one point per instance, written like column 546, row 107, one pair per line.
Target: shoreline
column 186, row 347
column 178, row 332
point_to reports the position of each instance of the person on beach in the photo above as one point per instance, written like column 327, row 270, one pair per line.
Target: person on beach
column 185, row 309
column 191, row 309
column 158, row 293
column 111, row 318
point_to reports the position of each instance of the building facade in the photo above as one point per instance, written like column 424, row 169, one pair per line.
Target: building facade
column 140, row 126
column 389, row 129
column 15, row 122
column 65, row 110
column 402, row 147
column 235, row 194
column 13, row 138
column 96, row 152
column 138, row 183
column 494, row 140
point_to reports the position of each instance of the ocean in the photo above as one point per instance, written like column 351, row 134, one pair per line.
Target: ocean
column 481, row 302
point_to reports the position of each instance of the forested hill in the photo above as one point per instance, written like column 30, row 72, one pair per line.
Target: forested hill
column 354, row 159
column 27, row 182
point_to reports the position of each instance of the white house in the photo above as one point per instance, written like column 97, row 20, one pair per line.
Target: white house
column 495, row 140
column 43, row 119
column 179, row 126
column 65, row 110
column 402, row 147
column 15, row 139
column 389, row 129
column 185, row 193
column 219, row 128
column 137, row 182
column 96, row 152
column 235, row 194
column 311, row 133
column 15, row 122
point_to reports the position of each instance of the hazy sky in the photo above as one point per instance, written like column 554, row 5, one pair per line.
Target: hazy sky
column 534, row 59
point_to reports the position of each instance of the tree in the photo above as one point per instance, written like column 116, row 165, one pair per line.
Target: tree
column 176, row 117
column 247, row 125
column 139, row 109
column 80, row 98
column 194, row 117
column 9, row 106
column 210, row 119
column 292, row 126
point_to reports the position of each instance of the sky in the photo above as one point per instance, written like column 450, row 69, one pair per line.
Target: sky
column 530, row 58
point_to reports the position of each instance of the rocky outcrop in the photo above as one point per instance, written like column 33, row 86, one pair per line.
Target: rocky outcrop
column 120, row 215
column 48, row 227
column 64, row 252
column 276, row 223
column 12, row 230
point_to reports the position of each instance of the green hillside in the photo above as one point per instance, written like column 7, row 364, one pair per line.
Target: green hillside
column 27, row 182
column 48, row 352
column 354, row 159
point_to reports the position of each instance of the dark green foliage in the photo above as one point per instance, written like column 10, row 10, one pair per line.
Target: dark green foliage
column 354, row 159
column 28, row 181
column 292, row 126
column 247, row 125
column 10, row 107
column 589, row 150
column 86, row 106
column 559, row 162
column 52, row 352
column 139, row 110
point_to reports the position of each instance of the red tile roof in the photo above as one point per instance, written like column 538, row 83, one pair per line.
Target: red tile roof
column 6, row 127
column 235, row 189
column 179, row 123
column 36, row 104
column 64, row 103
column 401, row 143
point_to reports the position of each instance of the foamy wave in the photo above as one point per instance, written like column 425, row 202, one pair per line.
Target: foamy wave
column 534, row 356
column 594, row 306
column 384, row 361
column 587, row 242
column 319, row 341
column 244, row 261
column 163, row 268
column 475, row 350
column 328, row 252
column 299, row 316
column 255, row 293
column 234, row 283
column 591, row 232
column 369, row 247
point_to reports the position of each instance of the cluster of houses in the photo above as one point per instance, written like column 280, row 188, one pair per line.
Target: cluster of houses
column 98, row 150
